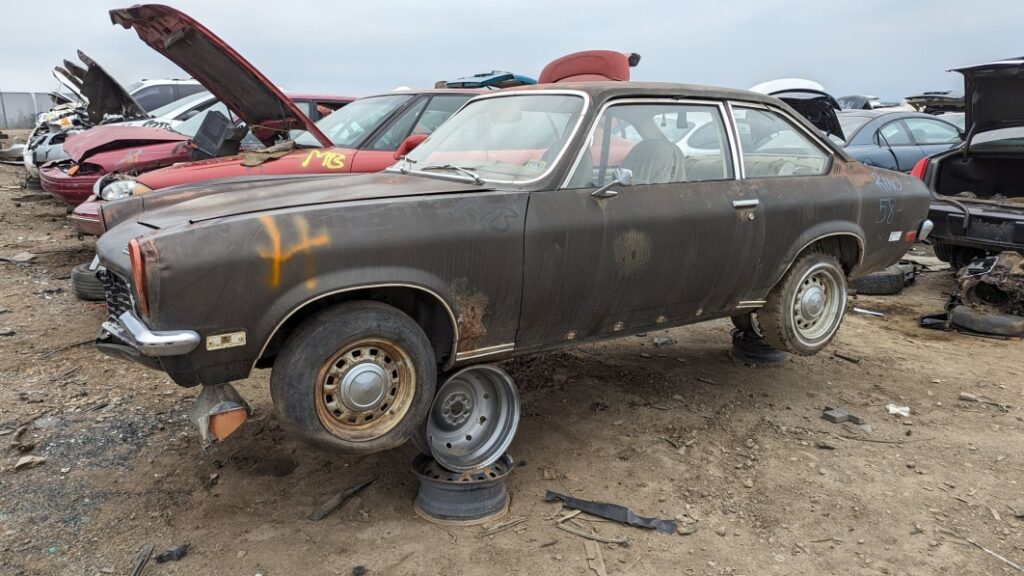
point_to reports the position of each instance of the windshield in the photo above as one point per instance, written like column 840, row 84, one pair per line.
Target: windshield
column 186, row 102
column 506, row 139
column 349, row 125
column 850, row 124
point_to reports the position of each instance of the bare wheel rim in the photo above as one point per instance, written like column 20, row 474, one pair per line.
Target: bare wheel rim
column 365, row 389
column 474, row 418
column 818, row 304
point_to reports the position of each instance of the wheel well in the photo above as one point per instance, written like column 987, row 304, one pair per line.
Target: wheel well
column 845, row 247
column 424, row 307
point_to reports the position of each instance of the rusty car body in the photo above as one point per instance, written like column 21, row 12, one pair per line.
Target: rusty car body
column 513, row 229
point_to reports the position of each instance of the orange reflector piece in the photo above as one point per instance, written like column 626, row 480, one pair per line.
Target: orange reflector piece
column 73, row 170
column 224, row 424
column 910, row 236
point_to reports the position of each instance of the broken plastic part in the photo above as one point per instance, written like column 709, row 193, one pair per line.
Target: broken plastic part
column 219, row 411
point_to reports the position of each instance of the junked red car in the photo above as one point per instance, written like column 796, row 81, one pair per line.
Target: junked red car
column 246, row 92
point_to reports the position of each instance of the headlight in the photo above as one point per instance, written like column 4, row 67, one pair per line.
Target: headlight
column 120, row 189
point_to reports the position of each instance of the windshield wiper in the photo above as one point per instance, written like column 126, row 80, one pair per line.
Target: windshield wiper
column 465, row 171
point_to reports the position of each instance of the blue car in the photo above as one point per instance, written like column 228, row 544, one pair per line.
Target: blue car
column 895, row 139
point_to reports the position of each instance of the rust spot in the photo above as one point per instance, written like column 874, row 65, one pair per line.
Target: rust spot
column 472, row 308
column 632, row 252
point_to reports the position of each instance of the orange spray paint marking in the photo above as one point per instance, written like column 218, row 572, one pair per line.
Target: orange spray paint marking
column 279, row 255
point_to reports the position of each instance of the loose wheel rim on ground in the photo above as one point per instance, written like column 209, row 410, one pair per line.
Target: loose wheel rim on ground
column 818, row 304
column 474, row 418
column 365, row 389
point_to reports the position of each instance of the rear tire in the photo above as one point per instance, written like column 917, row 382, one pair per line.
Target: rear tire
column 86, row 285
column 358, row 377
column 956, row 256
column 804, row 310
column 748, row 322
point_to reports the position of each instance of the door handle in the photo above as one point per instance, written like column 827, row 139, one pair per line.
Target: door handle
column 740, row 204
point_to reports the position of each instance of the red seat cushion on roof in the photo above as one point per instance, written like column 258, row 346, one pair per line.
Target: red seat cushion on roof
column 587, row 66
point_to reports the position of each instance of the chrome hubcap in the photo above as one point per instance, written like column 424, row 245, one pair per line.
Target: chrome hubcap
column 364, row 387
column 819, row 304
column 812, row 304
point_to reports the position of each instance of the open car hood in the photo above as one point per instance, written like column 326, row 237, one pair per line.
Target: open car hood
column 105, row 95
column 111, row 137
column 68, row 81
column 208, row 59
column 993, row 95
column 817, row 106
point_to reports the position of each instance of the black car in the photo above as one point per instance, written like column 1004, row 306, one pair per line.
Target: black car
column 895, row 139
column 978, row 188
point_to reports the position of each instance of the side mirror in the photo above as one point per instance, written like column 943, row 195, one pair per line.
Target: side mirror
column 620, row 177
column 409, row 144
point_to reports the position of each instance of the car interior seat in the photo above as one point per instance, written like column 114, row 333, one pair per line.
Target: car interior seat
column 656, row 161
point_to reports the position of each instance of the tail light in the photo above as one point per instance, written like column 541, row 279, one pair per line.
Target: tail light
column 919, row 168
column 138, row 264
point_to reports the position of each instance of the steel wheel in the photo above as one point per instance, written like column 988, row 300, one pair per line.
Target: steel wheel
column 817, row 305
column 365, row 389
column 474, row 418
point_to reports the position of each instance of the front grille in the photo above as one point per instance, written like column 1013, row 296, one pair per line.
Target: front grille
column 119, row 294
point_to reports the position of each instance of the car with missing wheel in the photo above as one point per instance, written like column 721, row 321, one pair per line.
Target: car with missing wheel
column 534, row 218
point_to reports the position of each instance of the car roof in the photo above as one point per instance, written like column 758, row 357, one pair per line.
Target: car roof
column 328, row 97
column 600, row 91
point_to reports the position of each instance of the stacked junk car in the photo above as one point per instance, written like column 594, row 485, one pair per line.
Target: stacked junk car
column 312, row 278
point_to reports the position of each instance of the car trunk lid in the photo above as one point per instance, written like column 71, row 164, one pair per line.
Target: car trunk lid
column 235, row 82
column 993, row 93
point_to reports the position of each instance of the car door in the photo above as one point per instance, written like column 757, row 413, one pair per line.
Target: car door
column 933, row 136
column 895, row 137
column 787, row 167
column 679, row 242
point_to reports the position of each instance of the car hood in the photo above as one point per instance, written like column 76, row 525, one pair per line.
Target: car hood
column 993, row 94
column 818, row 107
column 101, row 138
column 263, row 195
column 232, row 79
column 105, row 95
column 295, row 162
column 69, row 81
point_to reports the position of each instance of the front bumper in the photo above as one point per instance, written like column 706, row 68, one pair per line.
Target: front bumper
column 129, row 331
column 72, row 190
column 86, row 217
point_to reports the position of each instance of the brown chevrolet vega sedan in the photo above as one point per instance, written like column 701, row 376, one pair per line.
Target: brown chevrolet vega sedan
column 533, row 218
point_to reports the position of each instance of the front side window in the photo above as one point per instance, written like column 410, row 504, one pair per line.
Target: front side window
column 503, row 139
column 773, row 147
column 927, row 131
column 153, row 97
column 659, row 143
column 390, row 138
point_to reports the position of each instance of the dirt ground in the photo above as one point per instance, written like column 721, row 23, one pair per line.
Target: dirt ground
column 676, row 431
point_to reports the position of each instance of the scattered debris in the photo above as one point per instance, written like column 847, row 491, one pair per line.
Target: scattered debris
column 594, row 558
column 592, row 536
column 26, row 462
column 141, row 560
column 837, row 415
column 663, row 341
column 687, row 529
column 6, row 331
column 491, row 529
column 359, row 571
column 613, row 512
column 19, row 258
column 847, row 357
column 867, row 312
column 996, row 555
column 897, row 410
column 968, row 397
column 49, row 353
column 172, row 554
column 338, row 499
column 824, row 445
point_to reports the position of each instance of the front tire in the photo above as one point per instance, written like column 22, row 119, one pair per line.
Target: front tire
column 804, row 310
column 86, row 285
column 358, row 377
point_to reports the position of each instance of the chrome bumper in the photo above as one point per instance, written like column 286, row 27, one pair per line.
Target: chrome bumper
column 132, row 331
column 926, row 229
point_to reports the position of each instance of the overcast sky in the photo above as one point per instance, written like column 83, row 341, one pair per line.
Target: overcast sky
column 885, row 48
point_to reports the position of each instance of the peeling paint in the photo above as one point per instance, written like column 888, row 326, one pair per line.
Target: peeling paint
column 472, row 308
column 632, row 252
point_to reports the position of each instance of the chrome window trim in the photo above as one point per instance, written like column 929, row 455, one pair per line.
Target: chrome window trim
column 486, row 351
column 517, row 94
column 657, row 100
column 816, row 139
